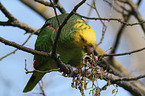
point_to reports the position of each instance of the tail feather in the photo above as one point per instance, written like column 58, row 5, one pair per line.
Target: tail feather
column 35, row 78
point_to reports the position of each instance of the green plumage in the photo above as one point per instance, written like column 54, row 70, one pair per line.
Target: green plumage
column 69, row 52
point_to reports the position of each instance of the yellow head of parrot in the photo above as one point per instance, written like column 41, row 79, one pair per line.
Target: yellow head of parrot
column 85, row 36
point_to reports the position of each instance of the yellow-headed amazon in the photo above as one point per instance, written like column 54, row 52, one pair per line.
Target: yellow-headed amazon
column 77, row 38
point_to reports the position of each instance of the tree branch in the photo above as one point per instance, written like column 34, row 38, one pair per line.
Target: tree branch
column 126, row 53
column 110, row 19
column 136, row 13
column 130, row 78
column 17, row 49
column 13, row 44
column 12, row 21
column 40, row 9
column 120, row 32
column 57, row 5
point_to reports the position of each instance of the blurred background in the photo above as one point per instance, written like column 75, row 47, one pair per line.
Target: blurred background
column 12, row 73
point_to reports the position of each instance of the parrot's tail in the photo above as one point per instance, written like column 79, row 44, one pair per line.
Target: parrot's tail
column 35, row 78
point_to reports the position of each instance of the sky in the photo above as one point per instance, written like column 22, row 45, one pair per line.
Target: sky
column 13, row 78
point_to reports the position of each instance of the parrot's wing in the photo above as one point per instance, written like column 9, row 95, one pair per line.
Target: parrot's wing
column 43, row 43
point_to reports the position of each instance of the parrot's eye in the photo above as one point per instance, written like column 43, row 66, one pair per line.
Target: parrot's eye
column 82, row 39
column 91, row 45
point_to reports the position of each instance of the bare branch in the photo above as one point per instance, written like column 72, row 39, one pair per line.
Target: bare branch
column 17, row 49
column 130, row 78
column 110, row 19
column 57, row 5
column 126, row 53
column 40, row 9
column 136, row 13
column 103, row 23
column 15, row 22
column 55, row 13
column 6, row 13
column 42, row 88
column 22, row 25
column 13, row 44
column 120, row 32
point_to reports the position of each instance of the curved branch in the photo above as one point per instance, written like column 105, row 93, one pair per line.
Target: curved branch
column 120, row 32
column 110, row 19
column 57, row 5
column 29, row 50
column 40, row 9
column 17, row 49
column 135, row 13
column 130, row 78
column 21, row 25
column 126, row 53
column 12, row 21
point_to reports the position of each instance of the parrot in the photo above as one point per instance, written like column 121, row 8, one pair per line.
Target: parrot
column 76, row 40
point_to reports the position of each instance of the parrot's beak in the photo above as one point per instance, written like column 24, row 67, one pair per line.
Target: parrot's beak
column 88, row 49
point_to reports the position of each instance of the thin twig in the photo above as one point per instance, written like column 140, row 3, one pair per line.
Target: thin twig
column 136, row 13
column 120, row 32
column 12, row 21
column 42, row 88
column 46, row 3
column 129, row 78
column 13, row 44
column 110, row 19
column 55, row 13
column 126, row 53
column 17, row 49
column 104, row 25
column 116, row 9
